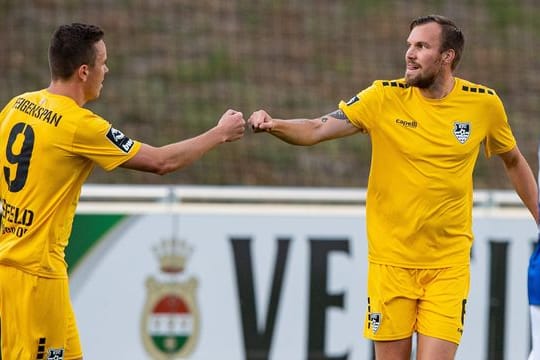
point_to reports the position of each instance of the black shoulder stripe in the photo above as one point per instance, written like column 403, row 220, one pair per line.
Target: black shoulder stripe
column 479, row 90
column 395, row 84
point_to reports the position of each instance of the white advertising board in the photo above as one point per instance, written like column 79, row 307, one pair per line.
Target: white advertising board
column 271, row 281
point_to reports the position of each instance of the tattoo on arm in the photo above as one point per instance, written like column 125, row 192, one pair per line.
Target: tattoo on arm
column 336, row 114
column 339, row 114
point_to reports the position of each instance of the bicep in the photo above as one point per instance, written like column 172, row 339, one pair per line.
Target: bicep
column 144, row 160
column 511, row 158
column 335, row 125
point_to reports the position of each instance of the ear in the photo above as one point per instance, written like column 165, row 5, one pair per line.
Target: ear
column 448, row 56
column 82, row 72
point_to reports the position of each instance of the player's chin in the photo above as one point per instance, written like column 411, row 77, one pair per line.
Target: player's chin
column 98, row 92
column 410, row 77
column 416, row 80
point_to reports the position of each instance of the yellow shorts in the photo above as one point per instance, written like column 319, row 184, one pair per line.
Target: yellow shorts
column 36, row 317
column 402, row 301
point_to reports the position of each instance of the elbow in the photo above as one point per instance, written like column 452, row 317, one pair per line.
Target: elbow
column 161, row 171
column 163, row 168
column 159, row 162
column 305, row 141
column 156, row 166
column 309, row 142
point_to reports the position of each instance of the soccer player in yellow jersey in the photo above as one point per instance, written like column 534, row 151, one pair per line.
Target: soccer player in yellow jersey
column 426, row 131
column 49, row 144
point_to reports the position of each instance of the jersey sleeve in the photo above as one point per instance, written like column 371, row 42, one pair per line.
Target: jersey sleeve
column 499, row 138
column 363, row 108
column 97, row 140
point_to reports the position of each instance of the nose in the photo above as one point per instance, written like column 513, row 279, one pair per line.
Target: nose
column 409, row 54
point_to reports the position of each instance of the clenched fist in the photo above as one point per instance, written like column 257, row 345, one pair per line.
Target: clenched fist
column 232, row 124
column 261, row 121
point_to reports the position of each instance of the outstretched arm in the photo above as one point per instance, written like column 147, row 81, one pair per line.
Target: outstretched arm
column 522, row 179
column 304, row 131
column 171, row 157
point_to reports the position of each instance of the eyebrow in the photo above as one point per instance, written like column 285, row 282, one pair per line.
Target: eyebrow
column 419, row 43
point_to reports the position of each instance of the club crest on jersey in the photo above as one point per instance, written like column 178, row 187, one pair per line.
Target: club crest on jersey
column 375, row 321
column 120, row 140
column 462, row 131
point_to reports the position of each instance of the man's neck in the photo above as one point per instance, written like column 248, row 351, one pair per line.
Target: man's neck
column 69, row 89
column 440, row 88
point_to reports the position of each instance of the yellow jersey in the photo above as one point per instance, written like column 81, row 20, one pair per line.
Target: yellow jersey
column 420, row 187
column 48, row 147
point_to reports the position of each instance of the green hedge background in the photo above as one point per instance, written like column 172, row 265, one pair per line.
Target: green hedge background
column 177, row 65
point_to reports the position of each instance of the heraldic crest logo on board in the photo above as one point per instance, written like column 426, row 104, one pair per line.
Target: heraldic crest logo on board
column 170, row 319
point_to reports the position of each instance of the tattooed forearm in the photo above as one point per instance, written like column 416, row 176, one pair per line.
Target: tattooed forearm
column 337, row 114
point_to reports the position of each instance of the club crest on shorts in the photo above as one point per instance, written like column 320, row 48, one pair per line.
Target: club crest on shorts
column 462, row 131
column 375, row 321
column 55, row 354
column 170, row 319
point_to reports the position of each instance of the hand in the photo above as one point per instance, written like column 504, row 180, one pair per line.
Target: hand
column 261, row 121
column 232, row 124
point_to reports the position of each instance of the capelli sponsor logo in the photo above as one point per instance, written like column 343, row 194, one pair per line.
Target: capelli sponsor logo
column 405, row 123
